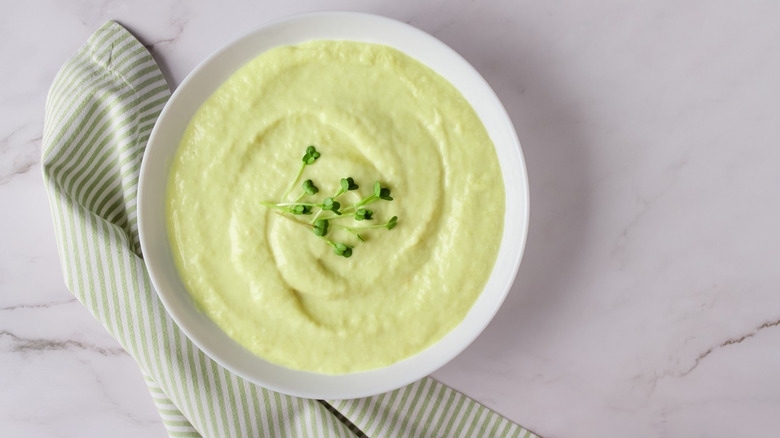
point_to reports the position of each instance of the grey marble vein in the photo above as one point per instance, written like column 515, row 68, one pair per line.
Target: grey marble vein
column 36, row 306
column 22, row 155
column 178, row 22
column 22, row 345
column 731, row 341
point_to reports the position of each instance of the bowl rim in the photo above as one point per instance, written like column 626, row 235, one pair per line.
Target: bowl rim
column 367, row 383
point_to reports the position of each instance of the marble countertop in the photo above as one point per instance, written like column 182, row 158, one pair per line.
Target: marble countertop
column 648, row 302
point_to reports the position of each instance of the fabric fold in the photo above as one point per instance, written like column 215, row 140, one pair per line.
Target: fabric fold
column 100, row 112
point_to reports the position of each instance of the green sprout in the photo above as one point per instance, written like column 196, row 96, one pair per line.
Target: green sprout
column 363, row 214
column 328, row 204
column 346, row 185
column 341, row 249
column 301, row 209
column 308, row 159
column 321, row 226
column 389, row 225
column 309, row 188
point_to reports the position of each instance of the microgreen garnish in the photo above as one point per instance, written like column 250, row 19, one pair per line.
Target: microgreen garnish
column 348, row 184
column 389, row 225
column 308, row 159
column 301, row 209
column 331, row 205
column 382, row 192
column 341, row 249
column 309, row 188
column 310, row 156
column 363, row 214
column 320, row 226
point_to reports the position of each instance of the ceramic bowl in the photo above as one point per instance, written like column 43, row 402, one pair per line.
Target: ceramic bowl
column 205, row 79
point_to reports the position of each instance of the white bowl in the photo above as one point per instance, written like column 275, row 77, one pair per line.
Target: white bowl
column 205, row 79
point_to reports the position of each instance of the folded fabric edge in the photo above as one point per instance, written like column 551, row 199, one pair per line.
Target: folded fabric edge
column 426, row 408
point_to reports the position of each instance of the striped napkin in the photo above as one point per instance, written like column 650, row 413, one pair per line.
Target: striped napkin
column 99, row 114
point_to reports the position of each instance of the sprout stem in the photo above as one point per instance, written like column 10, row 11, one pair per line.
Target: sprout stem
column 292, row 184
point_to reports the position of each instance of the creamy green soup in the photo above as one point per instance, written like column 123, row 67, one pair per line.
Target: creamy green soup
column 374, row 114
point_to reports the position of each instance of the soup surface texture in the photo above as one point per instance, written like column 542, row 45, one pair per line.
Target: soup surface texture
column 374, row 114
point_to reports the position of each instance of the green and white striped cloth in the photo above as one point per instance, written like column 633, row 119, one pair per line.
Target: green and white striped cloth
column 99, row 114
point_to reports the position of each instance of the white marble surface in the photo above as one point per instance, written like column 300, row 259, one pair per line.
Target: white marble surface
column 648, row 303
